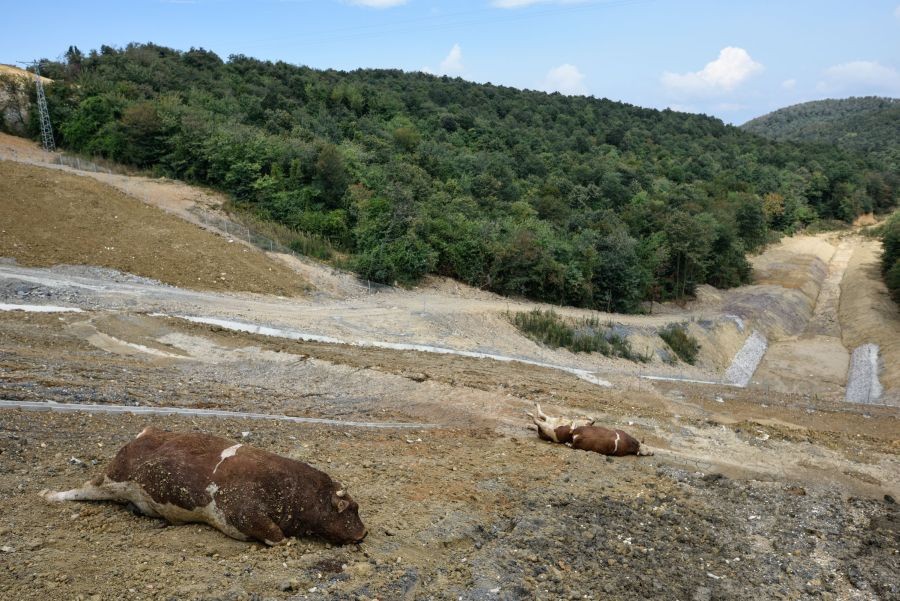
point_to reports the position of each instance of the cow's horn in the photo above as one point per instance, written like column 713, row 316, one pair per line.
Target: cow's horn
column 341, row 493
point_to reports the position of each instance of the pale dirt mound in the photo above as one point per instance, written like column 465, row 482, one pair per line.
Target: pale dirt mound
column 14, row 104
column 51, row 218
column 10, row 70
column 14, row 148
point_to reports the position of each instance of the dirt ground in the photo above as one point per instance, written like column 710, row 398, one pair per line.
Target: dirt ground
column 742, row 500
column 51, row 217
column 753, row 493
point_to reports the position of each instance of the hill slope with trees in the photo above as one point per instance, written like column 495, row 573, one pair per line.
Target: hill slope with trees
column 571, row 200
column 869, row 124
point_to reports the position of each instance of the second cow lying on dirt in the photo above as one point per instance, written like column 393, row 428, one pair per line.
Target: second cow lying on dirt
column 246, row 493
column 584, row 435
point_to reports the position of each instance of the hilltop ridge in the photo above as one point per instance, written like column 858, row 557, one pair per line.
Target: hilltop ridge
column 565, row 199
column 869, row 124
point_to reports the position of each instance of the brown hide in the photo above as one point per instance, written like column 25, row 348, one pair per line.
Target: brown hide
column 563, row 434
column 604, row 441
column 262, row 495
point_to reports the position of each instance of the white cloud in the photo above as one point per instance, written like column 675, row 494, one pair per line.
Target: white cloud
column 524, row 3
column 515, row 3
column 566, row 79
column 683, row 108
column 789, row 84
column 860, row 78
column 733, row 67
column 897, row 11
column 378, row 3
column 452, row 63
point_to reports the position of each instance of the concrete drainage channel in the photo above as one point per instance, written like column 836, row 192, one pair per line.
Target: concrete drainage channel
column 745, row 362
column 862, row 380
column 742, row 367
column 90, row 408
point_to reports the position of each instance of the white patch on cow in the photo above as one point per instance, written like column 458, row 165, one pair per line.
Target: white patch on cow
column 616, row 447
column 576, row 437
column 229, row 452
column 88, row 492
column 130, row 492
column 144, row 431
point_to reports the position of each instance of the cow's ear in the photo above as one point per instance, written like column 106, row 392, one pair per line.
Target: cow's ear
column 339, row 501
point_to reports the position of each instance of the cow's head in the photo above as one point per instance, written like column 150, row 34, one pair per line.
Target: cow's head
column 340, row 522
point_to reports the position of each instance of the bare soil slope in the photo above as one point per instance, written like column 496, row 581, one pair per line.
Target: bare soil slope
column 741, row 501
column 751, row 494
column 50, row 218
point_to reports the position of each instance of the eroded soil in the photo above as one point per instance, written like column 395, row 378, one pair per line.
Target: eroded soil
column 741, row 500
column 50, row 217
column 777, row 491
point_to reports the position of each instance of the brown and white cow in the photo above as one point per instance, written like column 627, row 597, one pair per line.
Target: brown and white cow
column 247, row 493
column 582, row 434
column 556, row 429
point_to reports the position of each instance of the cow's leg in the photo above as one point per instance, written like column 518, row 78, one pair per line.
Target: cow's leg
column 93, row 490
column 260, row 527
column 548, row 431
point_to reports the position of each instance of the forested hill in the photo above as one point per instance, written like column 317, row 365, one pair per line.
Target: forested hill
column 869, row 124
column 566, row 199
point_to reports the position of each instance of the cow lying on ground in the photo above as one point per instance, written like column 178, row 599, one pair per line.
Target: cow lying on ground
column 556, row 429
column 247, row 493
column 584, row 435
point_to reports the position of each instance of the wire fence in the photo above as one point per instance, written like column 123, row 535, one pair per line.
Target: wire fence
column 241, row 232
column 86, row 165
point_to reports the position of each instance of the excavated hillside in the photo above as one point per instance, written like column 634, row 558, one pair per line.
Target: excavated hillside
column 766, row 482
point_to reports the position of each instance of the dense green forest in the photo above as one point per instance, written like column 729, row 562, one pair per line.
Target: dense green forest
column 572, row 200
column 890, row 260
column 869, row 124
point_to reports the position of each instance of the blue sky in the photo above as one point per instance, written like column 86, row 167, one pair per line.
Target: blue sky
column 735, row 59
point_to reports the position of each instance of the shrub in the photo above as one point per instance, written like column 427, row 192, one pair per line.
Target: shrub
column 584, row 336
column 682, row 344
column 890, row 259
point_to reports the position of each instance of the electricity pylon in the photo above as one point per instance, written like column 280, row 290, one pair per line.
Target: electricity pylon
column 43, row 111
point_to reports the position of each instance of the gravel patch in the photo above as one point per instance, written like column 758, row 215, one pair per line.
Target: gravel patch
column 862, row 381
column 747, row 360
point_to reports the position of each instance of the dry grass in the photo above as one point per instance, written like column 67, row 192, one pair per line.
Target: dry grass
column 50, row 217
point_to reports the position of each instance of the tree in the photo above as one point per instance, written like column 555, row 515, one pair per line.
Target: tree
column 331, row 175
column 751, row 220
column 564, row 199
